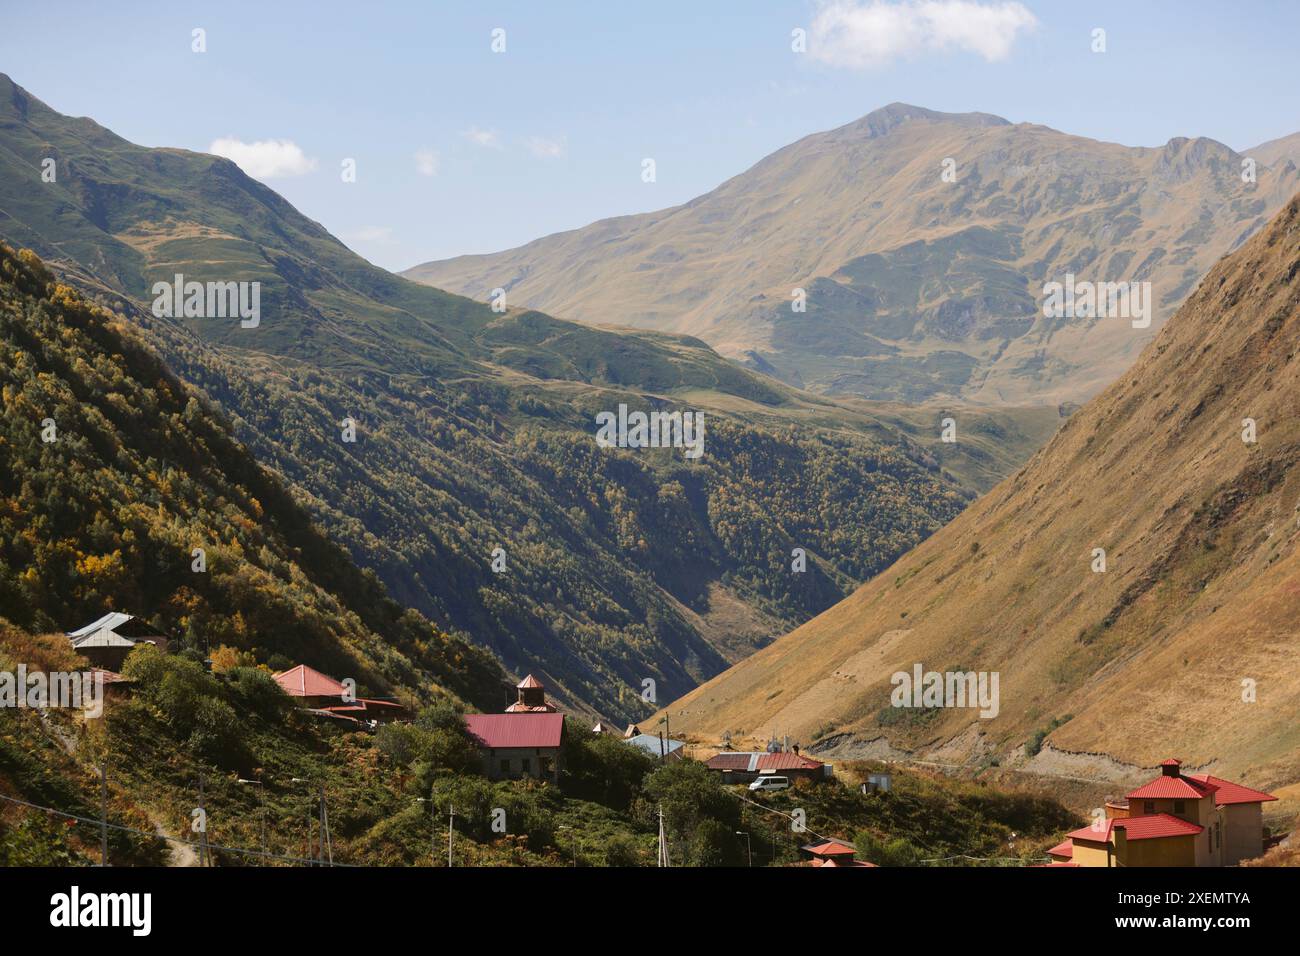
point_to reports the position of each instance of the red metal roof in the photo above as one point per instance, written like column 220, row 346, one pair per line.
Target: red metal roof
column 1171, row 788
column 788, row 762
column 1150, row 827
column 1227, row 792
column 529, row 681
column 830, row 848
column 303, row 681
column 501, row 731
column 729, row 761
column 1065, row 848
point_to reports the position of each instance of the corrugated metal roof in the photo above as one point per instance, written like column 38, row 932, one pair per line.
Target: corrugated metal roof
column 529, row 681
column 304, row 681
column 650, row 744
column 503, row 731
column 1171, row 788
column 788, row 762
column 730, row 761
column 1149, row 827
column 1227, row 792
column 108, row 622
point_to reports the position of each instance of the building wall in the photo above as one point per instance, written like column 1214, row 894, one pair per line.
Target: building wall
column 537, row 758
column 1087, row 853
column 1243, row 832
column 1164, row 851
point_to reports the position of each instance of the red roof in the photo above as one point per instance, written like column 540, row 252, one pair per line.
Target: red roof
column 303, row 681
column 529, row 681
column 841, row 863
column 1064, row 848
column 1172, row 788
column 501, row 731
column 1227, row 792
column 830, row 848
column 729, row 761
column 1150, row 827
column 787, row 762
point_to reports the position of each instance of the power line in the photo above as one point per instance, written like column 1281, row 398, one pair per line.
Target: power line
column 164, row 836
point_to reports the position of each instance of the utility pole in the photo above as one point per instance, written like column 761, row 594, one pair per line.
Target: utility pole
column 103, row 815
column 451, row 828
column 204, row 854
column 749, row 850
column 327, row 845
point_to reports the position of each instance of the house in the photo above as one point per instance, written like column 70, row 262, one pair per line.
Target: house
column 518, row 744
column 532, row 698
column 326, row 697
column 602, row 728
column 658, row 747
column 745, row 767
column 525, row 741
column 1181, row 820
column 107, row 641
column 834, row 853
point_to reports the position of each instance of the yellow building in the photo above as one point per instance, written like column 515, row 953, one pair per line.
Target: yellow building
column 1174, row 820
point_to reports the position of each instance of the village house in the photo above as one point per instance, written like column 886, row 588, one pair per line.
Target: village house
column 323, row 696
column 107, row 641
column 1176, row 819
column 657, row 747
column 525, row 741
column 746, row 767
column 835, row 853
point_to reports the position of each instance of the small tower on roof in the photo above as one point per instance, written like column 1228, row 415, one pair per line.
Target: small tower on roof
column 532, row 698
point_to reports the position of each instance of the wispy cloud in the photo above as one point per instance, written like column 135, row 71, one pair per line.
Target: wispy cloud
column 427, row 162
column 864, row 34
column 545, row 148
column 488, row 138
column 372, row 234
column 265, row 159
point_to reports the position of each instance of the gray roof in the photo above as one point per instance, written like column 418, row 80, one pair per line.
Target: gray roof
column 103, row 633
column 650, row 744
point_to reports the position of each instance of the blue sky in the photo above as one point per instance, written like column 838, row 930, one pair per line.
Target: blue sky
column 460, row 149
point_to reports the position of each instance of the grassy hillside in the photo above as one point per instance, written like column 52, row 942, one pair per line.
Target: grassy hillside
column 112, row 474
column 1101, row 671
column 475, row 429
column 386, row 792
column 918, row 286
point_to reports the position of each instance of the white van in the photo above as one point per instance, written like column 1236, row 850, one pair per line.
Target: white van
column 770, row 783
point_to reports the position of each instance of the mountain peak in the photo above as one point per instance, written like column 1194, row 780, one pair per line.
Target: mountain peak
column 882, row 121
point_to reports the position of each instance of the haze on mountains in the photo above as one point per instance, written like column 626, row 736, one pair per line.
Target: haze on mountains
column 475, row 429
column 916, row 287
column 1157, row 655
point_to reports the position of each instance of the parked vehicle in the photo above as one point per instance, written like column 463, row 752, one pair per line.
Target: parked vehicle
column 770, row 783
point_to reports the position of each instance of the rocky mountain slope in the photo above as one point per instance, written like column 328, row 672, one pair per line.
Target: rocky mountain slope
column 917, row 284
column 1184, row 473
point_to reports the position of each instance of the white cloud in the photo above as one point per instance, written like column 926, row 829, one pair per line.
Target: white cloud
column 862, row 34
column 373, row 234
column 265, row 159
column 544, row 148
column 426, row 162
column 482, row 137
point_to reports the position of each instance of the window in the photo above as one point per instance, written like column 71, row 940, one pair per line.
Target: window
column 526, row 765
column 1148, row 806
column 1180, row 806
column 505, row 766
column 1218, row 835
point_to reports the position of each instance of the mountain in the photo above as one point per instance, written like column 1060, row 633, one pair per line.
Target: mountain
column 1194, row 614
column 916, row 287
column 475, row 429
column 1276, row 152
column 113, row 473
